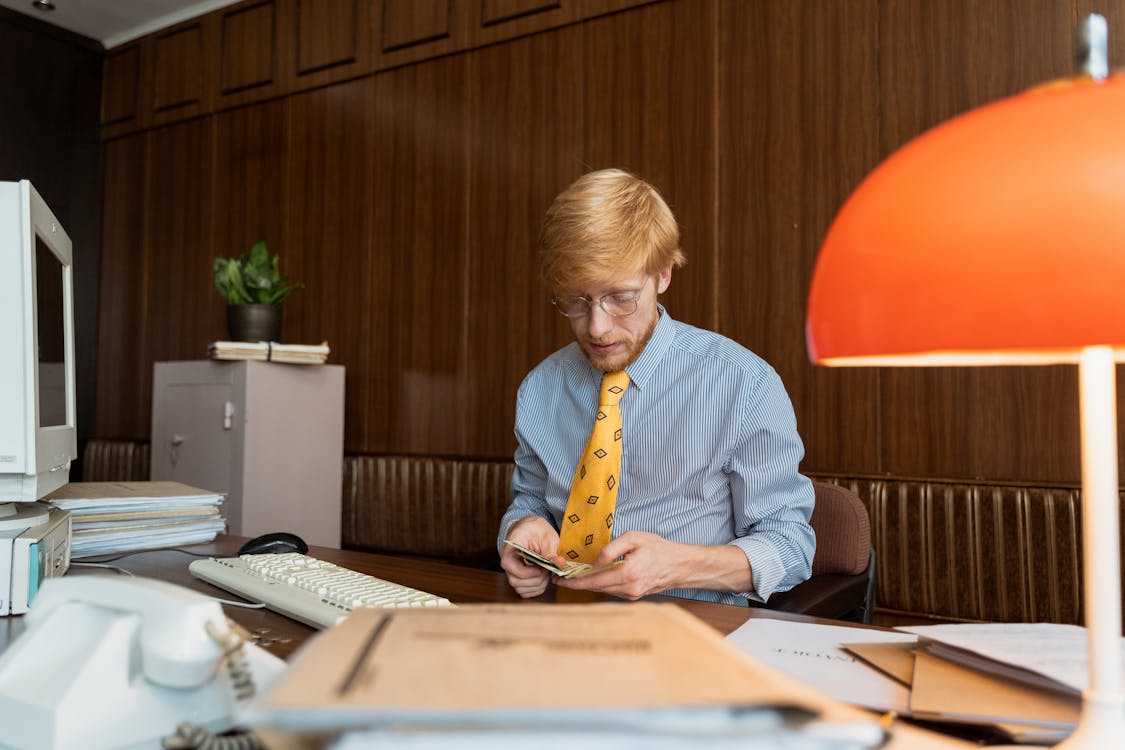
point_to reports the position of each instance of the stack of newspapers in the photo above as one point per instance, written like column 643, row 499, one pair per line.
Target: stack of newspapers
column 112, row 517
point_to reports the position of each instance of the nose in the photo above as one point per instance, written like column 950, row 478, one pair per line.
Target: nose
column 598, row 322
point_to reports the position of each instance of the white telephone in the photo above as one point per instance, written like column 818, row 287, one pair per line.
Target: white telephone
column 114, row 662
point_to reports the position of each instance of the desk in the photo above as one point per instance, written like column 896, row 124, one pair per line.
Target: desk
column 281, row 636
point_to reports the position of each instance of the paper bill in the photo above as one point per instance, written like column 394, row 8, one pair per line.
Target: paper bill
column 570, row 570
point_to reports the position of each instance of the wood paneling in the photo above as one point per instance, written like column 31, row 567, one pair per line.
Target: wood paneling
column 330, row 239
column 251, row 192
column 181, row 73
column 331, row 40
column 419, row 309
column 799, row 130
column 511, row 323
column 411, row 30
column 648, row 107
column 407, row 200
column 124, row 90
column 251, row 61
column 937, row 60
column 122, row 320
column 178, row 250
column 496, row 20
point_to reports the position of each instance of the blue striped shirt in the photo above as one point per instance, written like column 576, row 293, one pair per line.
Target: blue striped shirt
column 710, row 452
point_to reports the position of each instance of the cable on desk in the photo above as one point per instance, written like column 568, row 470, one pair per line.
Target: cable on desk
column 103, row 566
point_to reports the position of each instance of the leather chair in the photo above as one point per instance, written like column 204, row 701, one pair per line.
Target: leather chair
column 842, row 586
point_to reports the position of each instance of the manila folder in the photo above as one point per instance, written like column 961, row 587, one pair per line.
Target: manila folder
column 515, row 663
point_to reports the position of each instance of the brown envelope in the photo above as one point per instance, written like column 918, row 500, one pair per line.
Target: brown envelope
column 945, row 690
column 896, row 660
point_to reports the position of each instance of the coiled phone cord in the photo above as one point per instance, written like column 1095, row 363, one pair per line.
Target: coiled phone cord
column 191, row 737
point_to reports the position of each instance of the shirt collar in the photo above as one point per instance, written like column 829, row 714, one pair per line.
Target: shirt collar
column 662, row 336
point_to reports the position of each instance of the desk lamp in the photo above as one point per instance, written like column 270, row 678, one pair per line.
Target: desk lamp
column 998, row 238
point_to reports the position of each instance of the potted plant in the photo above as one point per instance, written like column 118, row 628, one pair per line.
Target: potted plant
column 254, row 288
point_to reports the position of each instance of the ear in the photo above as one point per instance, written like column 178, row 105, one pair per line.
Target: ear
column 663, row 280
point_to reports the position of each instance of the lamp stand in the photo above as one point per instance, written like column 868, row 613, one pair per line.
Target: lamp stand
column 1101, row 723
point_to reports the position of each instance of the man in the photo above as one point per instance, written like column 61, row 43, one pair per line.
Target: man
column 707, row 501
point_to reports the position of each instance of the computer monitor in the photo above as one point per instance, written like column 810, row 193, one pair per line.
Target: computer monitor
column 38, row 439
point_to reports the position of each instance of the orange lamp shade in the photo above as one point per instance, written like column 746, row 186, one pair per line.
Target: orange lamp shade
column 997, row 237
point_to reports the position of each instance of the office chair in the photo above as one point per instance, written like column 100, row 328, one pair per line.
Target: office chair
column 842, row 586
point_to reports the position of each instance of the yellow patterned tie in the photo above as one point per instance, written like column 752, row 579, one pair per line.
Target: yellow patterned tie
column 588, row 522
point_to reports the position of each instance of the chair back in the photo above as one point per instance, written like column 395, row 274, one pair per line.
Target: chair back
column 843, row 531
column 842, row 586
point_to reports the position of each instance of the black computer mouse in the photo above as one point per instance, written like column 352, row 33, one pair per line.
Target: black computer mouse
column 278, row 541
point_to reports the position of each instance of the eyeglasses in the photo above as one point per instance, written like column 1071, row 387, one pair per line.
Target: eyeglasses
column 618, row 304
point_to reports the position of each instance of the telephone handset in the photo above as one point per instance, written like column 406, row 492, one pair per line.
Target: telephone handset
column 107, row 661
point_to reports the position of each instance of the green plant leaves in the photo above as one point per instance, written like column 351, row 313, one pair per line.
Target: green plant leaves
column 253, row 278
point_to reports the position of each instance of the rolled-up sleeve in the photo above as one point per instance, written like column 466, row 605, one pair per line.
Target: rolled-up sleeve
column 772, row 501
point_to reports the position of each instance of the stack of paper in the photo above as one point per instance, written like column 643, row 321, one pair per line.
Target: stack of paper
column 1026, row 677
column 270, row 351
column 126, row 516
column 610, row 675
column 1022, row 682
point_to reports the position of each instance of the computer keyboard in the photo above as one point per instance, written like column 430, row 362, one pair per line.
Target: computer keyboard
column 304, row 588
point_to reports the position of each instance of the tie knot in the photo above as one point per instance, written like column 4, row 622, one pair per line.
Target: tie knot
column 613, row 387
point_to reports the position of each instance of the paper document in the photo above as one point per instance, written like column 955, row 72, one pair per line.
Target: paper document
column 944, row 691
column 126, row 516
column 813, row 653
column 80, row 495
column 1045, row 654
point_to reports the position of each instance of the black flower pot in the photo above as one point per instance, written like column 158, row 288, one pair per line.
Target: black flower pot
column 254, row 322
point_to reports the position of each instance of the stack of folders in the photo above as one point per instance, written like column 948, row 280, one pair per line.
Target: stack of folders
column 1016, row 682
column 111, row 517
column 598, row 676
column 270, row 351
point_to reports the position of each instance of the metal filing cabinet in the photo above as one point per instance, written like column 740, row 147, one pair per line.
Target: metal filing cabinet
column 270, row 436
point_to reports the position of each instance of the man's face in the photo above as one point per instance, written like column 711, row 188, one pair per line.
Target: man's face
column 612, row 343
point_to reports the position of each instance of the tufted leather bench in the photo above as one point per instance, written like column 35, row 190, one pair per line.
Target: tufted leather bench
column 974, row 550
column 945, row 549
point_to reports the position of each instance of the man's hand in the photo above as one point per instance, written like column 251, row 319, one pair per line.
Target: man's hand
column 536, row 534
column 653, row 564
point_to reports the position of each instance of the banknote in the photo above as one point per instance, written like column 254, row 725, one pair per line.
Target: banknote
column 570, row 570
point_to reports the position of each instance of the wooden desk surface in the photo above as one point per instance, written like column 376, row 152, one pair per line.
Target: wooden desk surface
column 281, row 635
column 460, row 585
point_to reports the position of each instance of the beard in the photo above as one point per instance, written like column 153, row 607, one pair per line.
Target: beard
column 621, row 359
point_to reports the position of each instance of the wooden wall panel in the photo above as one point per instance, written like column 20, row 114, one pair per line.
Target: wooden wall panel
column 798, row 131
column 330, row 237
column 250, row 188
column 331, row 40
column 125, row 90
column 526, row 136
column 648, row 107
column 411, row 30
column 939, row 59
column 252, row 61
column 122, row 320
column 250, row 194
column 179, row 252
column 419, row 308
column 497, row 20
column 181, row 70
column 414, row 194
